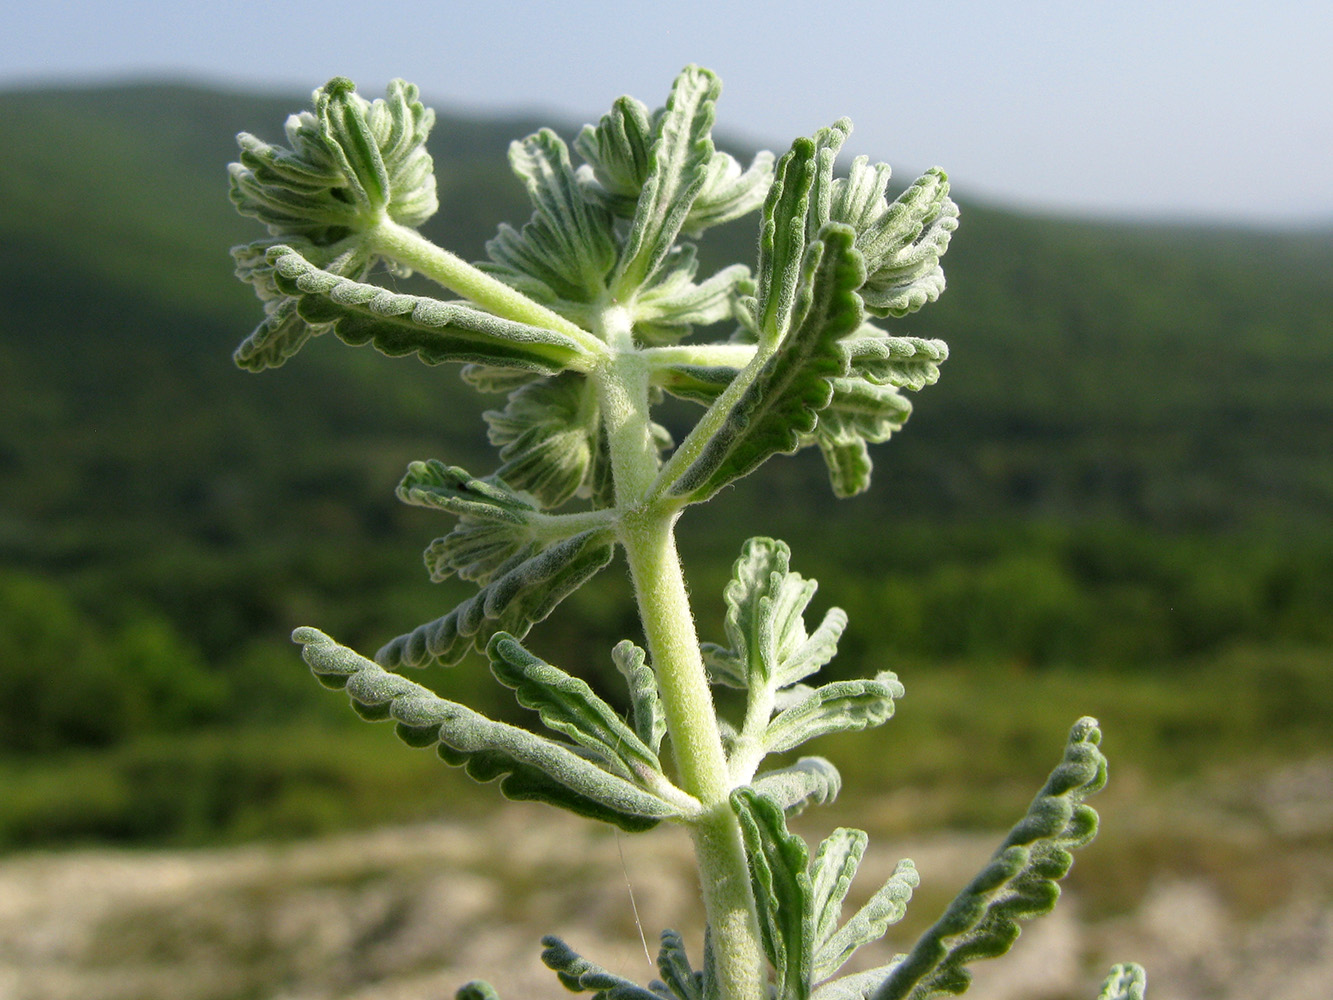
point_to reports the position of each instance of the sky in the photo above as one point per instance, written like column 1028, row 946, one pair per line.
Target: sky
column 1172, row 110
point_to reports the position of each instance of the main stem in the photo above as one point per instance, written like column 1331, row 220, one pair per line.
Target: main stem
column 647, row 532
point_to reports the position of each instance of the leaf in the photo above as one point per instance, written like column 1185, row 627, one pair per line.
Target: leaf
column 679, row 978
column 512, row 602
column 411, row 324
column 857, row 986
column 548, row 437
column 564, row 253
column 1019, row 883
column 859, row 413
column 494, row 527
column 903, row 245
column 350, row 162
column 785, row 231
column 831, row 873
column 579, row 975
column 728, row 192
column 1127, row 981
column 616, row 153
column 476, row 990
column 283, row 330
column 810, row 781
column 781, row 405
column 764, row 624
column 530, row 767
column 781, row 888
column 902, row 362
column 677, row 170
column 833, row 708
column 568, row 705
column 670, row 306
column 885, row 908
column 645, row 706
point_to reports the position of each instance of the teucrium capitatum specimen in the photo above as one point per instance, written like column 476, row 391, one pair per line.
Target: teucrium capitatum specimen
column 583, row 317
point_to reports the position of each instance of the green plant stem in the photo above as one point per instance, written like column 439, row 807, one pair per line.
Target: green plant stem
column 407, row 246
column 687, row 703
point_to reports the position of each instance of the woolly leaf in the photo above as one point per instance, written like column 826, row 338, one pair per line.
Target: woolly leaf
column 810, row 781
column 728, row 192
column 512, row 602
column 764, row 624
column 698, row 383
column 781, row 403
column 885, row 908
column 1020, row 882
column 528, row 766
column 1127, row 981
column 564, row 253
column 616, row 153
column 902, row 362
column 677, row 170
column 410, row 324
column 547, row 435
column 679, row 978
column 831, row 873
column 781, row 889
column 672, row 305
column 579, row 975
column 858, row 414
column 903, row 244
column 568, row 705
column 645, row 706
column 350, row 163
column 283, row 330
column 833, row 708
column 476, row 990
column 858, row 986
column 494, row 527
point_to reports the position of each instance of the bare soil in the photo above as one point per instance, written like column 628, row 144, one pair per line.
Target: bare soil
column 1223, row 890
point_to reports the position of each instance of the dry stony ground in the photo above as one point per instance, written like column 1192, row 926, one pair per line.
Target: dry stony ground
column 1223, row 889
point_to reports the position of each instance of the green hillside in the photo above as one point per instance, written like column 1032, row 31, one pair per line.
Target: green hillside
column 1127, row 468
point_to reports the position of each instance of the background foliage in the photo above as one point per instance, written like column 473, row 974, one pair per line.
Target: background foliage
column 1119, row 504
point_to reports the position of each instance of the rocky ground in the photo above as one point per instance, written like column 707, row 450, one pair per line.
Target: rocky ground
column 1223, row 890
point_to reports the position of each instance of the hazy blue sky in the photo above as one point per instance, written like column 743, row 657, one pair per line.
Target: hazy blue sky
column 1209, row 109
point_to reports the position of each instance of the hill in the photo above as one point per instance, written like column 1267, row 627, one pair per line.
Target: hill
column 1128, row 461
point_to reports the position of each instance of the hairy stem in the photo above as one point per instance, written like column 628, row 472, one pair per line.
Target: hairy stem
column 687, row 703
column 407, row 246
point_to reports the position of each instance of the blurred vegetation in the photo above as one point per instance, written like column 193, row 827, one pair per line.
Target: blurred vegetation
column 1117, row 501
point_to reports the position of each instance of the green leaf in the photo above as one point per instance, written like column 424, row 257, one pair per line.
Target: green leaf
column 476, row 990
column 283, row 330
column 902, row 362
column 1127, row 981
column 764, row 622
column 670, row 306
column 512, row 602
column 679, row 977
column 857, row 986
column 902, row 242
column 810, row 781
column 349, row 163
column 781, row 404
column 677, row 170
column 728, row 192
column 411, row 324
column 568, row 705
column 1020, row 882
column 564, row 253
column 831, row 873
column 548, row 438
column 645, row 706
column 580, row 976
column 494, row 527
column 698, row 383
column 859, row 413
column 529, row 767
column 833, row 708
column 782, row 891
column 616, row 152
column 885, row 908
column 786, row 230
